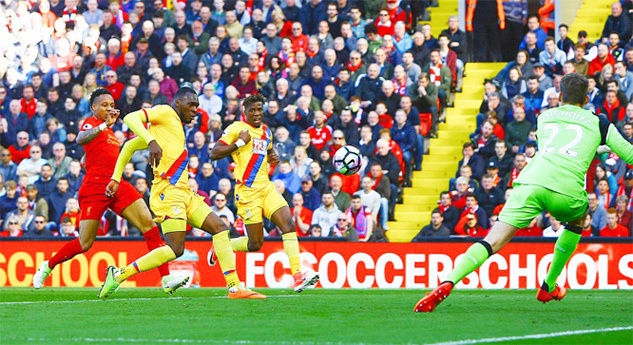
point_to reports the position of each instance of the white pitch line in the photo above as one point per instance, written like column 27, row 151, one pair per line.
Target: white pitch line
column 131, row 299
column 534, row 336
column 247, row 342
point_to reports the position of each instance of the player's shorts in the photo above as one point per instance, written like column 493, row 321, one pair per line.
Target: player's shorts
column 170, row 202
column 93, row 201
column 527, row 201
column 252, row 202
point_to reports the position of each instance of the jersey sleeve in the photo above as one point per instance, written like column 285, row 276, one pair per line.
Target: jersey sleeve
column 612, row 138
column 154, row 115
column 87, row 125
column 230, row 134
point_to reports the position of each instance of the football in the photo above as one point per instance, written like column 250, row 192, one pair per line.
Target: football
column 347, row 160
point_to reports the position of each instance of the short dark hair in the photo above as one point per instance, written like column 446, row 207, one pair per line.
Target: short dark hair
column 573, row 88
column 550, row 38
column 183, row 91
column 98, row 92
column 563, row 26
column 468, row 144
column 355, row 197
column 371, row 29
column 253, row 99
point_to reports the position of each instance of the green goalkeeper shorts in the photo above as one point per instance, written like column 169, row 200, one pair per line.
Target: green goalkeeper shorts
column 527, row 201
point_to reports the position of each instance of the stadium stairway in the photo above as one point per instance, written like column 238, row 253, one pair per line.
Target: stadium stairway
column 591, row 17
column 439, row 15
column 444, row 153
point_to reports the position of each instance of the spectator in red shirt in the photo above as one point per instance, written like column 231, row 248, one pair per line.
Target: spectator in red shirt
column 245, row 85
column 469, row 226
column 114, row 57
column 72, row 212
column 28, row 102
column 12, row 228
column 114, row 86
column 299, row 40
column 532, row 230
column 383, row 23
column 21, row 150
column 612, row 108
column 613, row 229
column 587, row 228
column 320, row 133
column 301, row 215
column 604, row 57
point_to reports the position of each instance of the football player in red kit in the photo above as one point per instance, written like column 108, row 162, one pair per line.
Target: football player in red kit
column 102, row 150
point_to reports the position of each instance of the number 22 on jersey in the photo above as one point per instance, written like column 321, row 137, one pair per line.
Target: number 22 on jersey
column 566, row 149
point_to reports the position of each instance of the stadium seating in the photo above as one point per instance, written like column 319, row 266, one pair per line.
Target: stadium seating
column 439, row 15
column 444, row 153
column 590, row 17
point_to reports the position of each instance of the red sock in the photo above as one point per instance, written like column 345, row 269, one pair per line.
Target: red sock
column 153, row 241
column 67, row 252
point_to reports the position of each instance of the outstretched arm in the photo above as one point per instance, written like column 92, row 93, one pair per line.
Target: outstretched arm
column 616, row 142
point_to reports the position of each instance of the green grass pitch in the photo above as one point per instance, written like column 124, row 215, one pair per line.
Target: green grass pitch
column 205, row 316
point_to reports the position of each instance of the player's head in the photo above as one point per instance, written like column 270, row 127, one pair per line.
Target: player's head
column 185, row 103
column 101, row 103
column 573, row 89
column 254, row 109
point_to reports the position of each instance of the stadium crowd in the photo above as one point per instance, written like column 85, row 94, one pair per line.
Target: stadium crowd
column 339, row 72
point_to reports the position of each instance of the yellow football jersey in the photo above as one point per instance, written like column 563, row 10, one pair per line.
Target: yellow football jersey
column 251, row 159
column 167, row 128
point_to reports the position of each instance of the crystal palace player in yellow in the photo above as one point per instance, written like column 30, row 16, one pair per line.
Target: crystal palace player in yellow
column 250, row 143
column 171, row 199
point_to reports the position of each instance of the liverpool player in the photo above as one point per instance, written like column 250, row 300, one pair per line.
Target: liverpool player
column 102, row 151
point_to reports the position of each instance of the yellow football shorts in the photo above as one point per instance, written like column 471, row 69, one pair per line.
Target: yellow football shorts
column 170, row 202
column 251, row 202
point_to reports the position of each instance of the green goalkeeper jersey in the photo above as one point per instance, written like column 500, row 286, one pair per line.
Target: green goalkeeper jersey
column 568, row 137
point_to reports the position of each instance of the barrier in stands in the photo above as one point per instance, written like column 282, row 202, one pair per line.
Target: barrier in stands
column 356, row 265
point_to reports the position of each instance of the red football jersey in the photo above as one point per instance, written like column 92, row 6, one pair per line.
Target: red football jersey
column 320, row 136
column 101, row 153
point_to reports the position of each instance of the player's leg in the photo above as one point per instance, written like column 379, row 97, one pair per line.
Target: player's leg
column 563, row 208
column 283, row 219
column 203, row 218
column 174, row 231
column 139, row 216
column 525, row 203
column 87, row 234
column 249, row 208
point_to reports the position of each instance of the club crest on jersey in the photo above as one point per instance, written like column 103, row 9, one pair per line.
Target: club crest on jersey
column 259, row 146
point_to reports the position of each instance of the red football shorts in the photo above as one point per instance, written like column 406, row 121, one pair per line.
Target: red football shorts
column 93, row 202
